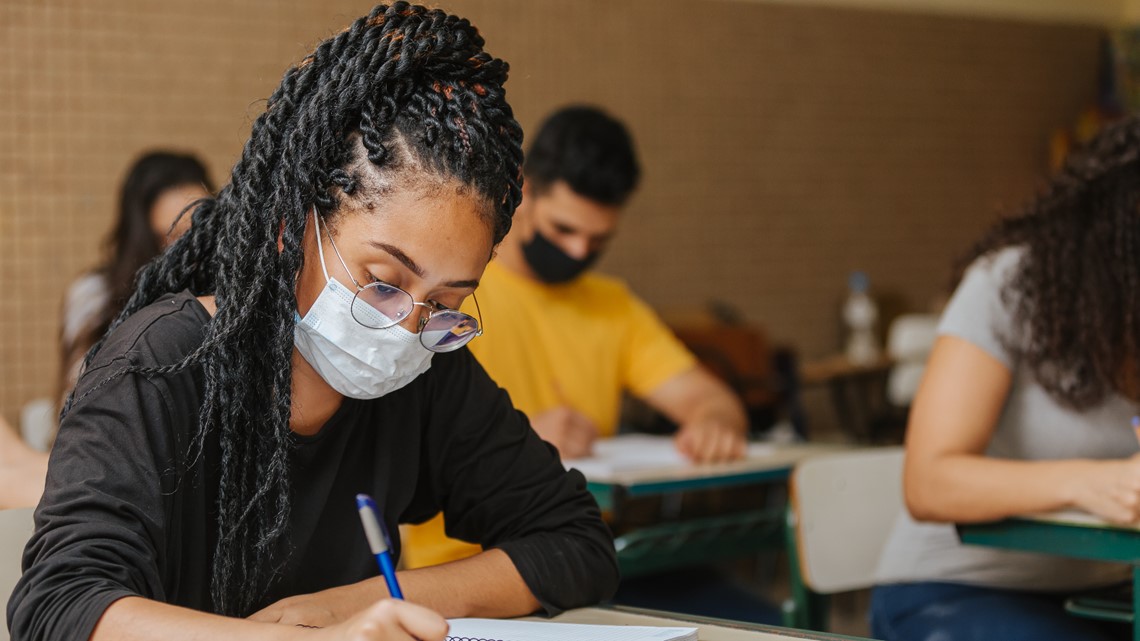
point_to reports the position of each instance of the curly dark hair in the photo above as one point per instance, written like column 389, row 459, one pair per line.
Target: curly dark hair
column 404, row 91
column 1075, row 293
column 589, row 149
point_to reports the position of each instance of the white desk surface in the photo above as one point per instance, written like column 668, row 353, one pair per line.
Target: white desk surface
column 708, row 629
column 762, row 457
column 1078, row 517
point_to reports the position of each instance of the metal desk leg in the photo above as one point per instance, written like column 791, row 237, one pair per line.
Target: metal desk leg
column 805, row 609
column 1136, row 603
column 619, row 495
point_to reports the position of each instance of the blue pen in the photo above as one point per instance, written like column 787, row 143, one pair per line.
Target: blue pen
column 378, row 541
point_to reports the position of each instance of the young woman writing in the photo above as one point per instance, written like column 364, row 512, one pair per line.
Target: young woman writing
column 298, row 345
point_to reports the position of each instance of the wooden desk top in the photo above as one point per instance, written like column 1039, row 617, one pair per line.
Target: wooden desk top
column 828, row 368
column 708, row 629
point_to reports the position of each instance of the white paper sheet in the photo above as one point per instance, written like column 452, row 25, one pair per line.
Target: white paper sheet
column 633, row 452
column 500, row 630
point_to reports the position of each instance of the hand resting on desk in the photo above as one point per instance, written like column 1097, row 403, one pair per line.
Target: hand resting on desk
column 318, row 610
column 705, row 440
column 713, row 423
column 710, row 440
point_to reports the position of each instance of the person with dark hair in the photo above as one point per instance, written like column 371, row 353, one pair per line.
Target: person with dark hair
column 589, row 151
column 158, row 187
column 568, row 342
column 1026, row 407
column 299, row 344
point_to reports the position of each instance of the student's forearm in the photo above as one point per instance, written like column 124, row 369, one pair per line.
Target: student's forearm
column 138, row 619
column 695, row 398
column 972, row 488
column 722, row 408
column 485, row 585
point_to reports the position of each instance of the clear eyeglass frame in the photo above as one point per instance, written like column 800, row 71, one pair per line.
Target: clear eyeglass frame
column 381, row 305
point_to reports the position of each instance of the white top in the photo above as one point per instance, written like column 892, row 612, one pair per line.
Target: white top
column 86, row 297
column 1032, row 426
column 83, row 304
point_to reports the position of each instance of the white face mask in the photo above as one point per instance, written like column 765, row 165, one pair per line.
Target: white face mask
column 357, row 361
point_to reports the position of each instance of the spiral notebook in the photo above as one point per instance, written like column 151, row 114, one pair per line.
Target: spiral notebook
column 500, row 630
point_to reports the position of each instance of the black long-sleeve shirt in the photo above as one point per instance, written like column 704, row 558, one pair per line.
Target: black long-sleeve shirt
column 126, row 513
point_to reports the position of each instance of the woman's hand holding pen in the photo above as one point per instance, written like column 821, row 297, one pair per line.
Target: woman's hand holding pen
column 387, row 620
column 1108, row 489
column 327, row 612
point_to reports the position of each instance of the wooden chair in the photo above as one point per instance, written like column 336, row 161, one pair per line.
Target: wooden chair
column 841, row 512
column 764, row 376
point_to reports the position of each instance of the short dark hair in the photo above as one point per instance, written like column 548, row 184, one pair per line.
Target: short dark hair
column 587, row 148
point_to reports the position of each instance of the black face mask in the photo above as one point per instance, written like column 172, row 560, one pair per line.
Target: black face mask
column 551, row 264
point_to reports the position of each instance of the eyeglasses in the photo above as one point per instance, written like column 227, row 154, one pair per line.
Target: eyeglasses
column 379, row 305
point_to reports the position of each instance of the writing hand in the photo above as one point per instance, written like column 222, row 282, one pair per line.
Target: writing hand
column 1109, row 489
column 388, row 620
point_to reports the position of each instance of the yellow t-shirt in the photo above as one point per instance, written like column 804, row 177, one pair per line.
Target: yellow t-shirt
column 580, row 343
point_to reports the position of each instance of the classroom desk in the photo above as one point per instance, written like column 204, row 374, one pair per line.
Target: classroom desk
column 1065, row 533
column 858, row 390
column 708, row 629
column 775, row 465
column 694, row 541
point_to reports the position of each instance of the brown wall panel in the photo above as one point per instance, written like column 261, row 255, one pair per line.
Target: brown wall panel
column 783, row 146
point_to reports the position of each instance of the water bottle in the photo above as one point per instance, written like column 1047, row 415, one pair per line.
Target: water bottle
column 860, row 315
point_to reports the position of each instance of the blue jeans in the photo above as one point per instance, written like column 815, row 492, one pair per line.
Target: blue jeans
column 701, row 591
column 952, row 612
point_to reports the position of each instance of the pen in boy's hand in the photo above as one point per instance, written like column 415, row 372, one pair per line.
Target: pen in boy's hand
column 1136, row 427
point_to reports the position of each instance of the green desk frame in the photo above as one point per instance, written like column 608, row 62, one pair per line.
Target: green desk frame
column 610, row 495
column 1082, row 541
column 691, row 542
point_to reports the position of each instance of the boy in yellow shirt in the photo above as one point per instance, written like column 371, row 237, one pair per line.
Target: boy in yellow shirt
column 566, row 342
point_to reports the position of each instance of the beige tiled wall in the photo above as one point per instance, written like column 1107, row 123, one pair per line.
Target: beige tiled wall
column 783, row 146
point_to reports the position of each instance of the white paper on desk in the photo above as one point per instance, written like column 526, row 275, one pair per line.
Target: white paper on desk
column 499, row 630
column 632, row 452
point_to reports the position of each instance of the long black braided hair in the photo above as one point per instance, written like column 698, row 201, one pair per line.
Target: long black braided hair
column 1075, row 293
column 401, row 89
